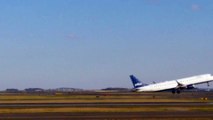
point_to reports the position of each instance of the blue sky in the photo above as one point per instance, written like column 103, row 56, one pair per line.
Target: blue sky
column 94, row 44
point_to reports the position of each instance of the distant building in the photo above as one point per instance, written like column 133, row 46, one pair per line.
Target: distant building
column 63, row 89
column 116, row 89
column 12, row 90
column 34, row 90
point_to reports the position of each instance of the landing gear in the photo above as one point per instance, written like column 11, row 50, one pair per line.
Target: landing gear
column 176, row 91
column 173, row 91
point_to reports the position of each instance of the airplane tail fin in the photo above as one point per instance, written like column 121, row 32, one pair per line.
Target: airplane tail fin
column 136, row 83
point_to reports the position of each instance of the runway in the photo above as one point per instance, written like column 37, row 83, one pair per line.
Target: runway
column 172, row 115
column 108, row 115
column 109, row 104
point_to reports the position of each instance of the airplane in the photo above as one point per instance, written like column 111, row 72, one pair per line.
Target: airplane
column 173, row 85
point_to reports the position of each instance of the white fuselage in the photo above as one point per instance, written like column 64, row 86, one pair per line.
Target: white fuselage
column 174, row 83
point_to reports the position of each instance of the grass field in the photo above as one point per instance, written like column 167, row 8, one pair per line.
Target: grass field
column 109, row 97
column 104, row 97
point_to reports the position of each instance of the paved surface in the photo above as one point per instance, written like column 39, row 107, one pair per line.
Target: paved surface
column 153, row 115
column 111, row 104
column 111, row 116
column 186, row 115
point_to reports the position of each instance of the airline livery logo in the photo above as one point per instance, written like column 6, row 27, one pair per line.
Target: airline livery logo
column 138, row 84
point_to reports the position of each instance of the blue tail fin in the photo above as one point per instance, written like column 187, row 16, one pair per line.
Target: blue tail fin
column 136, row 83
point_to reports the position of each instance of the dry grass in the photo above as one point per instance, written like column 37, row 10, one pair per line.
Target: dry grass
column 99, row 99
column 90, row 98
column 105, row 109
column 96, row 101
